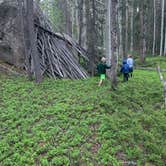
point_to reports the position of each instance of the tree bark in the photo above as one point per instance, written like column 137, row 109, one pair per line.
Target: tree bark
column 120, row 28
column 165, row 43
column 126, row 28
column 80, row 6
column 142, row 42
column 114, row 45
column 23, row 31
column 132, row 26
column 154, row 27
column 32, row 41
column 162, row 28
column 91, row 34
column 68, row 27
column 108, row 33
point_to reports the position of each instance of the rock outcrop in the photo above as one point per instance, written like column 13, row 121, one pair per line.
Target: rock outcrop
column 11, row 47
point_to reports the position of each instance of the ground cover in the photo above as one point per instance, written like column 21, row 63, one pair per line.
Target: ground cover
column 65, row 122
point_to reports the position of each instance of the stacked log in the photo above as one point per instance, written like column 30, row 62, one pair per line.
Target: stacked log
column 56, row 52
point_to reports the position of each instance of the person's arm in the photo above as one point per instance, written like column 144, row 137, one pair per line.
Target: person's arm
column 97, row 67
column 108, row 67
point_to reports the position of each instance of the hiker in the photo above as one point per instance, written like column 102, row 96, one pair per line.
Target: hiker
column 130, row 62
column 101, row 68
column 125, row 70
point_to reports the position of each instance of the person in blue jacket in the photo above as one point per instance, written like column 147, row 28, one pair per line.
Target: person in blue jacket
column 125, row 70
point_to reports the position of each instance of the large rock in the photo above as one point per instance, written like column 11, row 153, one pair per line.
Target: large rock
column 11, row 45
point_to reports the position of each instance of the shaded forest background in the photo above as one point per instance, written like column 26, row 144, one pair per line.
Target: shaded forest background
column 86, row 22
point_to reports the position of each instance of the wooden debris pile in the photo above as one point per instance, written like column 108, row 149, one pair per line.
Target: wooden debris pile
column 58, row 52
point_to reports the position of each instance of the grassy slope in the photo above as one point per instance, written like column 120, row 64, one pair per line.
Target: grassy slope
column 63, row 121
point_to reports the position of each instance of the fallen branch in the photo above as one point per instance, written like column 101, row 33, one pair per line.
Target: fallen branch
column 9, row 71
column 163, row 82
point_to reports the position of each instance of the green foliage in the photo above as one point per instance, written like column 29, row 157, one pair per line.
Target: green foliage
column 74, row 122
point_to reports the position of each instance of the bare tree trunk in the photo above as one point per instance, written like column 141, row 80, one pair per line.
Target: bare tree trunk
column 154, row 27
column 114, row 45
column 120, row 28
column 126, row 28
column 78, row 27
column 132, row 26
column 84, row 31
column 80, row 5
column 65, row 7
column 108, row 33
column 142, row 42
column 68, row 18
column 162, row 28
column 91, row 34
column 25, row 50
column 74, row 20
column 165, row 43
column 32, row 41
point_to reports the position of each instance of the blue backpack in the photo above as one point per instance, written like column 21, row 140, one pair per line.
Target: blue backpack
column 126, row 68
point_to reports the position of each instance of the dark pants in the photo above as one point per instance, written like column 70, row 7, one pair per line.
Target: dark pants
column 131, row 72
column 125, row 77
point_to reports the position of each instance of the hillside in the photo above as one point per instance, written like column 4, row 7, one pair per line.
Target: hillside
column 64, row 122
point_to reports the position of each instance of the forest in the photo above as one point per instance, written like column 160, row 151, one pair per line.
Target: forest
column 83, row 82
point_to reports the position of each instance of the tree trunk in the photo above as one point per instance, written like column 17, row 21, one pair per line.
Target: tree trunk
column 91, row 34
column 114, row 45
column 162, row 28
column 165, row 43
column 154, row 27
column 84, row 29
column 68, row 27
column 80, row 6
column 132, row 26
column 142, row 42
column 23, row 31
column 32, row 41
column 120, row 28
column 108, row 33
column 126, row 28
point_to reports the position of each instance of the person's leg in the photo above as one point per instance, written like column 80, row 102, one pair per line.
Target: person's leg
column 100, row 82
column 124, row 77
column 127, row 77
column 102, row 78
column 131, row 72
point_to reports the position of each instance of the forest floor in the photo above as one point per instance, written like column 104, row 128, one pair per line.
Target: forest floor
column 64, row 122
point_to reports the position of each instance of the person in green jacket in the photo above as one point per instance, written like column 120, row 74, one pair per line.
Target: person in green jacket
column 101, row 68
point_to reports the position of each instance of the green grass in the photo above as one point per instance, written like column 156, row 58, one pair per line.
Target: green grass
column 65, row 122
column 152, row 62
